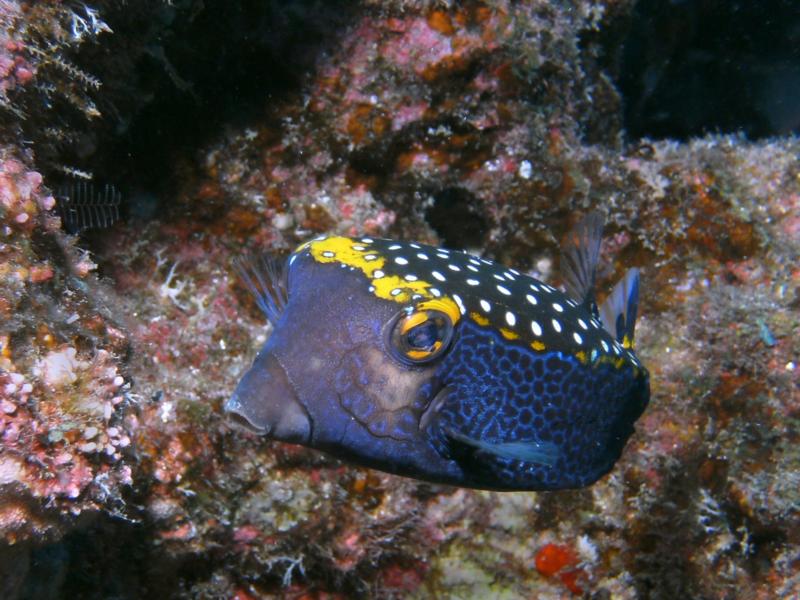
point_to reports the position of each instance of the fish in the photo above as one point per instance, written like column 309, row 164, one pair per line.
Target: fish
column 445, row 367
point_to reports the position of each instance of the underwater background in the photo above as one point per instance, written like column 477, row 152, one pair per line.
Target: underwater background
column 144, row 145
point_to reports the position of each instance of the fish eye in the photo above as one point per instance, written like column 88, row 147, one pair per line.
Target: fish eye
column 421, row 336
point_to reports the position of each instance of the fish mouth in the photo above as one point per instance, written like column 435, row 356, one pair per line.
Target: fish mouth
column 237, row 419
column 266, row 403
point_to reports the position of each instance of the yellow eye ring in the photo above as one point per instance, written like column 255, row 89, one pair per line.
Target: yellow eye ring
column 419, row 337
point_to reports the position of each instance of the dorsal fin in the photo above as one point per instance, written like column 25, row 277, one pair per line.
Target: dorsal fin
column 266, row 278
column 579, row 255
column 618, row 312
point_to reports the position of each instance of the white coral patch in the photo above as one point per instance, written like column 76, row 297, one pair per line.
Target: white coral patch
column 58, row 367
column 587, row 550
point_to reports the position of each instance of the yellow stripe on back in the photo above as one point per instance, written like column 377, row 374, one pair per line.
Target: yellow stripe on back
column 339, row 249
column 367, row 259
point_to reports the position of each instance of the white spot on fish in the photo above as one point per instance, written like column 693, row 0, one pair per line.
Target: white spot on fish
column 461, row 306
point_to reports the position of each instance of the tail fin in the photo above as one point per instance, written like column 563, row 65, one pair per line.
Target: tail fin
column 618, row 312
column 579, row 255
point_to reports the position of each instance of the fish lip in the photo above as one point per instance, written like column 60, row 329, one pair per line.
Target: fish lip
column 266, row 402
column 236, row 419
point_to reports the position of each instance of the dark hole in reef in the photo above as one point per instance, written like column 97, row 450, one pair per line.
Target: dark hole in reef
column 111, row 559
column 374, row 160
column 457, row 217
column 687, row 68
column 176, row 74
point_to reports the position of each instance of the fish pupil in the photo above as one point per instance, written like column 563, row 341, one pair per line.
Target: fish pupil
column 423, row 336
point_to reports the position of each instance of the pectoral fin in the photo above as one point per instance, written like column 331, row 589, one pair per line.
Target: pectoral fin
column 542, row 453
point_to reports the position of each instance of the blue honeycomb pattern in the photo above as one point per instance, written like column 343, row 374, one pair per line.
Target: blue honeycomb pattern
column 503, row 392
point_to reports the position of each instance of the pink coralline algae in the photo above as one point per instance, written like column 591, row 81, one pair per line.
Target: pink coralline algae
column 19, row 193
column 14, row 68
column 486, row 126
column 61, row 394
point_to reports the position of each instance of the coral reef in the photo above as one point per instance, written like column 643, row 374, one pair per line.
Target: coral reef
column 488, row 126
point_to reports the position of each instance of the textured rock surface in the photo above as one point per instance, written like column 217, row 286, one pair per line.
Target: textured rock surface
column 490, row 127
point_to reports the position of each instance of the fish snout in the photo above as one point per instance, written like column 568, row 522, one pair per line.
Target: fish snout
column 265, row 402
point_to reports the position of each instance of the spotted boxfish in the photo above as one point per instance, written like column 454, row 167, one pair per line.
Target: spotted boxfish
column 443, row 366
